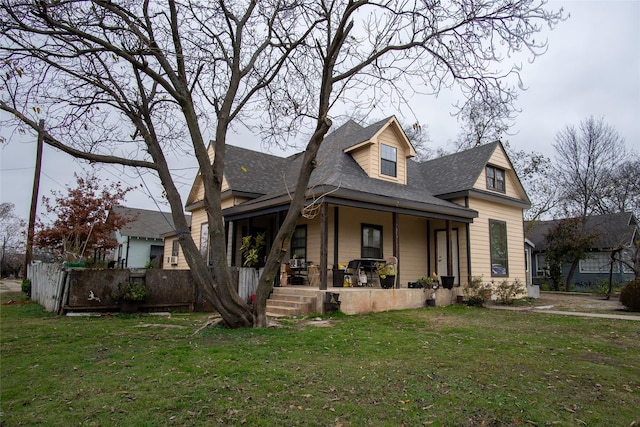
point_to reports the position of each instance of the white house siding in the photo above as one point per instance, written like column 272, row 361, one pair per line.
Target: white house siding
column 137, row 251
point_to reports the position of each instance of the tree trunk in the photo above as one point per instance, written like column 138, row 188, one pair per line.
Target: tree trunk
column 278, row 249
column 572, row 271
column 218, row 290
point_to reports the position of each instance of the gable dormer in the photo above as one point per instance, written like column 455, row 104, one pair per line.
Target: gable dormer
column 499, row 176
column 384, row 151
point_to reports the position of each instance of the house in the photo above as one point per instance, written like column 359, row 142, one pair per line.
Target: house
column 612, row 231
column 141, row 240
column 460, row 215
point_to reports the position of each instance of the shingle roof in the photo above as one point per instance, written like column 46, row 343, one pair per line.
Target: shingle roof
column 338, row 170
column 612, row 230
column 252, row 171
column 146, row 223
column 456, row 172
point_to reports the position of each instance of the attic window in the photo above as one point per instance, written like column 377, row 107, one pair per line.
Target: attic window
column 495, row 179
column 388, row 160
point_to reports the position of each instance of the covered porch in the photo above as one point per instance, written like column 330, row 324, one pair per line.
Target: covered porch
column 423, row 242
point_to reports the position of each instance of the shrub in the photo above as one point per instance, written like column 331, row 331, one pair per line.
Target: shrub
column 630, row 295
column 131, row 291
column 477, row 293
column 506, row 291
column 601, row 287
column 25, row 286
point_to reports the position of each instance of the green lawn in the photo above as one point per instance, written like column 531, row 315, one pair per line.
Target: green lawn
column 440, row 366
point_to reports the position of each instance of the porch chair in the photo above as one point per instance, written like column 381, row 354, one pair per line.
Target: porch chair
column 393, row 261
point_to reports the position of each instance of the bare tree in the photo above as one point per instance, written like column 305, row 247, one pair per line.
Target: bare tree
column 12, row 233
column 484, row 121
column 534, row 171
column 622, row 192
column 584, row 158
column 131, row 82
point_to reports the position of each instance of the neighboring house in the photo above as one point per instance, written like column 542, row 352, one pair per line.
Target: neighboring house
column 141, row 240
column 613, row 231
column 460, row 215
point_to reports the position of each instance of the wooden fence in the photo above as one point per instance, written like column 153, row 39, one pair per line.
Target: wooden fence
column 47, row 285
column 59, row 289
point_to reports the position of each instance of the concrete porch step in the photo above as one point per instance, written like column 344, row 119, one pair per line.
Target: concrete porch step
column 283, row 303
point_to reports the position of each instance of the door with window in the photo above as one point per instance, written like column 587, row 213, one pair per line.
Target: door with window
column 441, row 254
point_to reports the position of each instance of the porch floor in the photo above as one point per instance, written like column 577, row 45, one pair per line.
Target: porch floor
column 358, row 300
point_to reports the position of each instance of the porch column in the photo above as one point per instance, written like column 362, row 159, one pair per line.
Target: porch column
column 324, row 242
column 429, row 269
column 396, row 245
column 449, row 250
column 229, row 232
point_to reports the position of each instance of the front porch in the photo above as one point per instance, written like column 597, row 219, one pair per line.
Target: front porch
column 300, row 300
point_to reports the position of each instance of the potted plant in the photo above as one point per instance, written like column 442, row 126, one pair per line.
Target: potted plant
column 131, row 295
column 387, row 274
column 447, row 281
column 251, row 249
column 428, row 282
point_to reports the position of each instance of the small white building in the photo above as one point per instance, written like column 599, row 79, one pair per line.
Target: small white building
column 140, row 242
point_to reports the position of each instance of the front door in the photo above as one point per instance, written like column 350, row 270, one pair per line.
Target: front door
column 441, row 254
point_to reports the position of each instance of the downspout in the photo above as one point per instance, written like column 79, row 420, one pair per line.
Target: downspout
column 126, row 258
column 336, row 230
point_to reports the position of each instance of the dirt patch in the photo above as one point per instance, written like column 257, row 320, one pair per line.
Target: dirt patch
column 578, row 303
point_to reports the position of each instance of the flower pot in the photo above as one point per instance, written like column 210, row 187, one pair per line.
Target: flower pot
column 387, row 282
column 447, row 281
column 431, row 303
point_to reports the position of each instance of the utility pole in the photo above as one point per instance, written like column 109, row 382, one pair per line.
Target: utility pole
column 28, row 255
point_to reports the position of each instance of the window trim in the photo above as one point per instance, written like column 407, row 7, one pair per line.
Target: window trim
column 362, row 247
column 304, row 248
column 492, row 255
column 492, row 181
column 387, row 161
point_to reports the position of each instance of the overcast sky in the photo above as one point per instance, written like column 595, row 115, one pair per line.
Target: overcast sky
column 592, row 67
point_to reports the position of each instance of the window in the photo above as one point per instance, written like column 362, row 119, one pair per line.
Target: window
column 495, row 179
column 498, row 242
column 388, row 160
column 174, row 248
column 204, row 239
column 299, row 242
column 541, row 265
column 598, row 263
column 371, row 241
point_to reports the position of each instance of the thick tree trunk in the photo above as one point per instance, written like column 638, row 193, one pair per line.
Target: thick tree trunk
column 278, row 248
column 218, row 290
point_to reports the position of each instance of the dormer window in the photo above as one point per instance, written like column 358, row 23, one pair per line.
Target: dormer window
column 495, row 179
column 388, row 160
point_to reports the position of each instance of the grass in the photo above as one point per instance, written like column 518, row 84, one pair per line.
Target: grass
column 444, row 366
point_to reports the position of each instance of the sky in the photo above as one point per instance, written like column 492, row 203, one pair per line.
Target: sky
column 591, row 68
